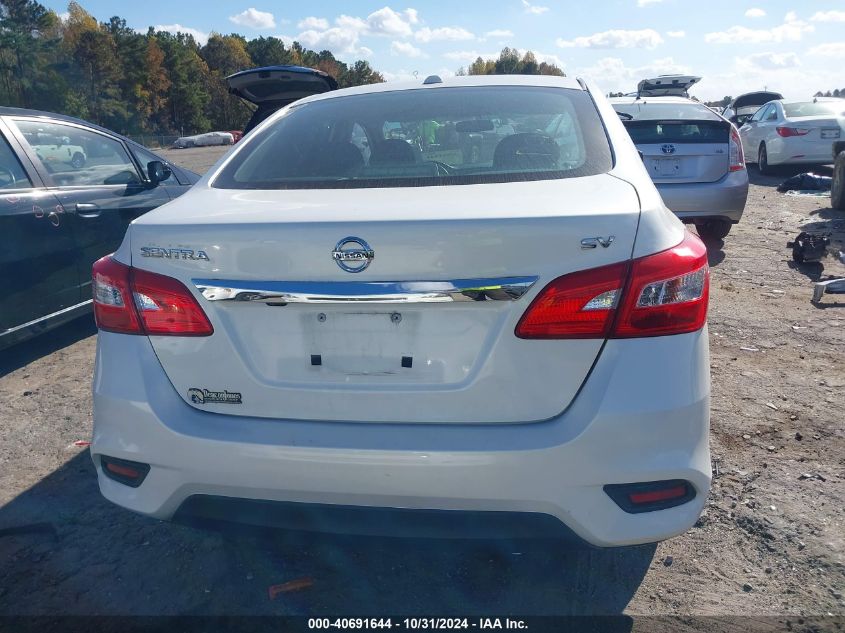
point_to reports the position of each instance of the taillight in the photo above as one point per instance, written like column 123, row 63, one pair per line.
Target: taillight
column 667, row 292
column 113, row 306
column 578, row 305
column 661, row 294
column 786, row 132
column 737, row 157
column 133, row 301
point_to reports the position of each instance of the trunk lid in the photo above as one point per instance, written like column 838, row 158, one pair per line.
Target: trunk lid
column 683, row 151
column 273, row 87
column 667, row 86
column 430, row 360
column 822, row 128
column 279, row 85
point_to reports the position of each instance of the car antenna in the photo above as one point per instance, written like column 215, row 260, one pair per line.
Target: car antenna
column 432, row 79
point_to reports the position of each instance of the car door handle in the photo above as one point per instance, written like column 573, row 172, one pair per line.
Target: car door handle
column 87, row 210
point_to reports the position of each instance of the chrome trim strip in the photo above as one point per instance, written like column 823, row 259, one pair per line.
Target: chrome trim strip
column 47, row 317
column 281, row 292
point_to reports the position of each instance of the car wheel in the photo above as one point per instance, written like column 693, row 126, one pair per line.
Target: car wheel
column 77, row 160
column 763, row 161
column 713, row 229
column 837, row 189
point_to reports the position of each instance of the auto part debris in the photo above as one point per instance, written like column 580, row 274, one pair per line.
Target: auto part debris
column 831, row 286
column 808, row 247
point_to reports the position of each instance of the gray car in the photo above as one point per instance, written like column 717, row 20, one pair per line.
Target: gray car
column 694, row 156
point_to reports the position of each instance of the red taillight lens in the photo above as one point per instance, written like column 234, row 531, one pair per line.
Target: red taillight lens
column 579, row 305
column 132, row 301
column 167, row 307
column 657, row 295
column 114, row 310
column 786, row 132
column 667, row 293
column 737, row 156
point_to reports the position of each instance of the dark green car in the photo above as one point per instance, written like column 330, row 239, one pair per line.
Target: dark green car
column 60, row 213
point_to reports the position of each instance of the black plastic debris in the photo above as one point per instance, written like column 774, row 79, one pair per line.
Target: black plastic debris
column 808, row 247
column 806, row 182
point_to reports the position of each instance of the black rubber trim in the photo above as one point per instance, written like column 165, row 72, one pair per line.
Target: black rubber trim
column 216, row 511
column 144, row 469
column 619, row 493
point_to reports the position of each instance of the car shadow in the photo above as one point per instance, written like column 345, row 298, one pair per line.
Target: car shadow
column 25, row 352
column 65, row 550
column 715, row 252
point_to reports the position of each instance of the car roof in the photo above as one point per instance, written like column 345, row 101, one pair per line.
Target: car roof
column 9, row 111
column 451, row 82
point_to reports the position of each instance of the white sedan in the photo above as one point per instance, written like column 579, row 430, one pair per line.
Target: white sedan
column 391, row 340
column 793, row 132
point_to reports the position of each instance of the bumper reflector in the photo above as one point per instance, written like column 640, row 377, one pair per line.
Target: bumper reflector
column 650, row 495
column 124, row 471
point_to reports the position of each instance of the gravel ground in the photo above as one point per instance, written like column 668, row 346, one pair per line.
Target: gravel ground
column 771, row 540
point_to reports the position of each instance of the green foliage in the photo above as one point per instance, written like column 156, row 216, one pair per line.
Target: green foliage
column 134, row 83
column 510, row 63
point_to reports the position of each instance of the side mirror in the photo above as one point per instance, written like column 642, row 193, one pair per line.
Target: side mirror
column 157, row 172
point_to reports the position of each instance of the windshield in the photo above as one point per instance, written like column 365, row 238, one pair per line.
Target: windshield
column 442, row 136
column 811, row 108
column 646, row 111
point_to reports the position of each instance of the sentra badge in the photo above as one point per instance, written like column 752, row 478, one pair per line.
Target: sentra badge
column 173, row 253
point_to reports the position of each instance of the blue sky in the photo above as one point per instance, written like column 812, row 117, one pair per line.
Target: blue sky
column 737, row 46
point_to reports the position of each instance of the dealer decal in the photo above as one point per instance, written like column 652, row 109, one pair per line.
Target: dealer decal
column 204, row 396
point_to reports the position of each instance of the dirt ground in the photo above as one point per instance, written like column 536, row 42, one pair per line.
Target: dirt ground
column 771, row 540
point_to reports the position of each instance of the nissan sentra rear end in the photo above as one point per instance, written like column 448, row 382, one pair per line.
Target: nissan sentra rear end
column 354, row 314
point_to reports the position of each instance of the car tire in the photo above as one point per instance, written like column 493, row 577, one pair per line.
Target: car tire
column 713, row 229
column 763, row 161
column 78, row 160
column 837, row 189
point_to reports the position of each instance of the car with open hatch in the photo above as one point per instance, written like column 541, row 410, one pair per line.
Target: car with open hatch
column 694, row 155
column 413, row 337
column 68, row 190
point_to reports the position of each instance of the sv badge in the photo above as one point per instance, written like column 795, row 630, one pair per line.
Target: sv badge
column 593, row 242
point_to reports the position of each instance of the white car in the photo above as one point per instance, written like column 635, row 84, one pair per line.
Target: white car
column 204, row 140
column 793, row 132
column 311, row 338
column 693, row 154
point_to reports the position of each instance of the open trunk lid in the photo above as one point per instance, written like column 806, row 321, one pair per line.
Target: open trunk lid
column 667, row 86
column 279, row 84
column 273, row 87
column 423, row 334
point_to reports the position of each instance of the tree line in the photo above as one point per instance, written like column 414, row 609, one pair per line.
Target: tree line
column 138, row 83
column 510, row 62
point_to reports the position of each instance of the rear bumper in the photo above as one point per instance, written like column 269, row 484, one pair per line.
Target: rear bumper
column 799, row 151
column 723, row 199
column 642, row 415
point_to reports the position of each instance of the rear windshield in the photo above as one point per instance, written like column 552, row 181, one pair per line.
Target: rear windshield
column 440, row 136
column 651, row 111
column 810, row 108
column 678, row 131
